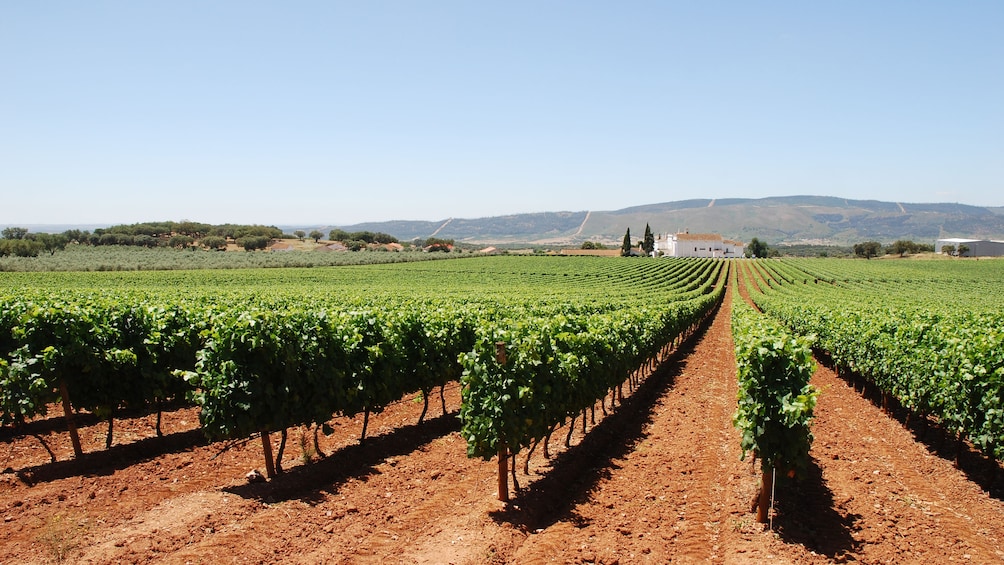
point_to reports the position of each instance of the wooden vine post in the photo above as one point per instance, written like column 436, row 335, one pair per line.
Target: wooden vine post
column 763, row 504
column 71, row 425
column 500, row 356
column 266, row 446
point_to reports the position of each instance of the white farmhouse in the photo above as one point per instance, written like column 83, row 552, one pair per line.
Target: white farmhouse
column 687, row 244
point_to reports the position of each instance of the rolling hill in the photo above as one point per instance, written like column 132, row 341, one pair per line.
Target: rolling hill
column 778, row 220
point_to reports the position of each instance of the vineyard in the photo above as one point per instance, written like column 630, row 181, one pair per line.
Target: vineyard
column 931, row 339
column 259, row 361
column 605, row 390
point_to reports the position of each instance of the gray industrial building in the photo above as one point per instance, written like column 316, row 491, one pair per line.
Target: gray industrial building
column 975, row 247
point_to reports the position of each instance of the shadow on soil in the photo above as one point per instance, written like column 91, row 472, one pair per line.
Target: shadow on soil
column 311, row 482
column 57, row 423
column 115, row 458
column 52, row 424
column 978, row 468
column 576, row 472
column 808, row 515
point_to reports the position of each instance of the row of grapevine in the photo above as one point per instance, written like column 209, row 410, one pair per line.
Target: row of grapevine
column 102, row 354
column 557, row 366
column 775, row 399
column 936, row 354
column 265, row 370
column 265, row 357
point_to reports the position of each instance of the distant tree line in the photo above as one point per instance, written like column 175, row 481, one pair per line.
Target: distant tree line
column 902, row 247
column 194, row 230
column 364, row 236
column 17, row 241
column 358, row 240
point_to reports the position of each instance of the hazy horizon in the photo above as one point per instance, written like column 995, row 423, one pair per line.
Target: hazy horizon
column 295, row 224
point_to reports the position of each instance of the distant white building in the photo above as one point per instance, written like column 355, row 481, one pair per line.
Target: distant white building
column 977, row 247
column 709, row 245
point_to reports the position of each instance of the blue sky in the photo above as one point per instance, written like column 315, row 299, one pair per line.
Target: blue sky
column 344, row 112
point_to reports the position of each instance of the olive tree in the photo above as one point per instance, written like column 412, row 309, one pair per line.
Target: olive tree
column 253, row 242
column 903, row 247
column 14, row 233
column 867, row 249
column 214, row 242
column 181, row 241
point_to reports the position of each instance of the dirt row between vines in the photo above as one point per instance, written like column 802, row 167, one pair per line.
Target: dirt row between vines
column 657, row 481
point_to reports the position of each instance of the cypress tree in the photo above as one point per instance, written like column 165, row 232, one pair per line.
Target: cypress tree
column 626, row 246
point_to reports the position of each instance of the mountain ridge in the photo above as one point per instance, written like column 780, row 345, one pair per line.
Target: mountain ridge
column 779, row 220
